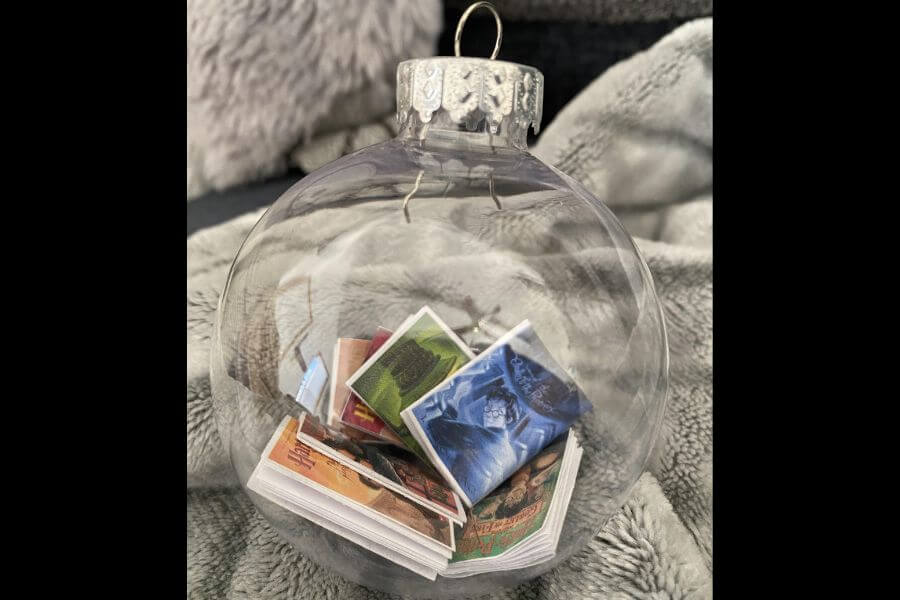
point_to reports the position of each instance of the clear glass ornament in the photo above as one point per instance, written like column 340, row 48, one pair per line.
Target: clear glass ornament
column 455, row 214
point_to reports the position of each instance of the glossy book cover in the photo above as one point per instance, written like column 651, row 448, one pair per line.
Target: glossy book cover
column 496, row 413
column 308, row 466
column 513, row 511
column 355, row 414
column 390, row 466
column 349, row 355
column 421, row 354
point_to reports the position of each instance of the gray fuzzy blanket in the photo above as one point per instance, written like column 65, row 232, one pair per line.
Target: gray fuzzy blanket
column 640, row 136
column 605, row 11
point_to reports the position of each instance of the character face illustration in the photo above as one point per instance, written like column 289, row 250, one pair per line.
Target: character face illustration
column 499, row 407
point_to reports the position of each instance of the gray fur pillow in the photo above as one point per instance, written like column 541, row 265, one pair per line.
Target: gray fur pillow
column 265, row 75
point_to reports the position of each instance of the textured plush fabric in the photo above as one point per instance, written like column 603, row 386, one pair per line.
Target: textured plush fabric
column 331, row 146
column 265, row 75
column 643, row 552
column 601, row 11
column 640, row 137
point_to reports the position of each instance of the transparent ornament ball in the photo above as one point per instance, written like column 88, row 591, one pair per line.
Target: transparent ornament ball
column 456, row 215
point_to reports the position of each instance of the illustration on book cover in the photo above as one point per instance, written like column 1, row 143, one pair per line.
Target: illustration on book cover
column 498, row 411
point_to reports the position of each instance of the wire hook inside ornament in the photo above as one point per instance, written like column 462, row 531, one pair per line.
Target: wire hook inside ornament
column 465, row 17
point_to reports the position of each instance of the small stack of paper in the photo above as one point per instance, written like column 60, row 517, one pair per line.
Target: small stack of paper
column 439, row 460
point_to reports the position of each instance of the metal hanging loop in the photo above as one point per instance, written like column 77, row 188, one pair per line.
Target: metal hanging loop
column 462, row 22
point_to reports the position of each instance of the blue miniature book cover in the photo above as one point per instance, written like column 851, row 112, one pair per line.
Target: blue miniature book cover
column 496, row 413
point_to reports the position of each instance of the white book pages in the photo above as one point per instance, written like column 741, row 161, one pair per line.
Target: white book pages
column 263, row 490
column 368, row 527
column 458, row 516
column 564, row 505
column 545, row 548
column 336, row 501
column 346, row 508
column 546, row 540
column 541, row 545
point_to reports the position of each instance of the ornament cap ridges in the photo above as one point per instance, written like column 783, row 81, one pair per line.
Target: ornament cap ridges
column 506, row 96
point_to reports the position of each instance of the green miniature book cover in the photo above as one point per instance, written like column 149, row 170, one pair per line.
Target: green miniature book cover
column 422, row 353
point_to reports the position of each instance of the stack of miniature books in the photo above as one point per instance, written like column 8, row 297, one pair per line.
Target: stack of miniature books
column 439, row 460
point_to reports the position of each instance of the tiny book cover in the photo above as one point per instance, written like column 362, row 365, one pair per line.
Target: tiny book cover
column 496, row 413
column 390, row 466
column 349, row 355
column 306, row 465
column 513, row 511
column 355, row 413
column 421, row 354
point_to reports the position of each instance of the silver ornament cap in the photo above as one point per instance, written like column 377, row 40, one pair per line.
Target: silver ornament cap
column 473, row 94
